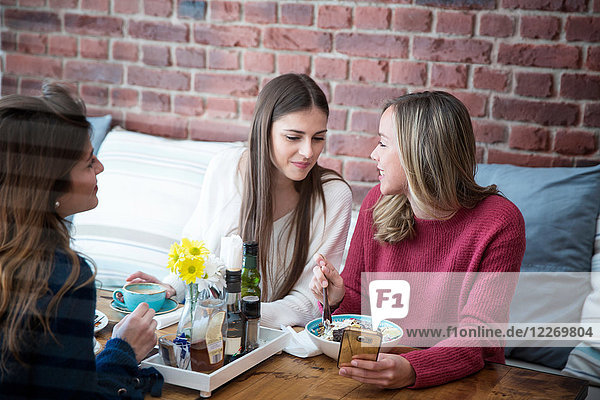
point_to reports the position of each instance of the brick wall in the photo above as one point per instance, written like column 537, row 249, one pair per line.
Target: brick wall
column 528, row 70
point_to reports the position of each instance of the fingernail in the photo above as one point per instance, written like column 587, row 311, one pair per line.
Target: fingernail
column 322, row 263
column 342, row 371
column 354, row 363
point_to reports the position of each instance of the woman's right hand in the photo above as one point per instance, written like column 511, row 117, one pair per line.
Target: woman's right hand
column 141, row 277
column 325, row 275
column 139, row 330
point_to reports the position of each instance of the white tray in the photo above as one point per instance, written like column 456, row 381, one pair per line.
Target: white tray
column 271, row 341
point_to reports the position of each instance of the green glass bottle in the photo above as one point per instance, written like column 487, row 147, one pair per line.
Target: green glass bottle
column 250, row 273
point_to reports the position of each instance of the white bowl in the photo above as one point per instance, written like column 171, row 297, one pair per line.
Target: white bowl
column 332, row 348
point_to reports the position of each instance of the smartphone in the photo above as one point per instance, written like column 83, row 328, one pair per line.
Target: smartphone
column 358, row 342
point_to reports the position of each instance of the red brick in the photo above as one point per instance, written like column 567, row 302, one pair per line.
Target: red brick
column 476, row 103
column 297, row 39
column 94, row 95
column 293, row 63
column 493, row 79
column 337, row 119
column 369, row 70
column 456, row 23
column 521, row 159
column 586, row 162
column 163, row 31
column 154, row 101
column 8, row 3
column 534, row 85
column 224, row 11
column 158, row 56
column 296, row 14
column 412, row 20
column 233, row 85
column 458, row 4
column 93, row 71
column 331, row 68
column 362, row 171
column 489, row 132
column 496, row 25
column 479, row 154
column 93, row 48
column 574, row 142
column 408, row 73
column 218, row 131
column 9, row 41
column 591, row 115
column 551, row 56
column 529, row 138
column 259, row 62
column 359, row 192
column 126, row 6
column 93, row 25
column 330, row 163
column 450, row 76
column 546, row 5
column 158, row 8
column 32, row 44
column 9, row 85
column 580, row 86
column 192, row 9
column 123, row 97
column 221, row 108
column 543, row 113
column 192, row 57
column 188, row 105
column 62, row 46
column 372, row 45
column 586, row 29
column 160, row 125
column 593, row 58
column 156, row 78
column 223, row 59
column 95, row 5
column 125, row 51
column 364, row 95
column 260, row 12
column 247, row 109
column 453, row 50
column 372, row 17
column 351, row 145
column 31, row 87
column 540, row 27
column 32, row 3
column 25, row 65
column 29, row 20
column 365, row 121
column 228, row 36
column 334, row 17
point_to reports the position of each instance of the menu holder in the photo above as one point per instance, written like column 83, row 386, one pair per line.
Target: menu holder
column 271, row 341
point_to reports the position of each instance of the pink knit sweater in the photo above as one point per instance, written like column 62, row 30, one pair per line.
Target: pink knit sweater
column 487, row 238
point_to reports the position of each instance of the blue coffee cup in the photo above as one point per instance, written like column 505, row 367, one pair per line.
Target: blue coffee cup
column 136, row 293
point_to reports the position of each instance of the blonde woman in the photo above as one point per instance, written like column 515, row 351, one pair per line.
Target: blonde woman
column 429, row 217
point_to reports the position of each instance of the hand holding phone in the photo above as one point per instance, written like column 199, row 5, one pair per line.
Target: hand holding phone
column 358, row 342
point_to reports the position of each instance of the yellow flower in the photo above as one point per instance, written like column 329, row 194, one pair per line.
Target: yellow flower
column 176, row 254
column 191, row 269
column 195, row 248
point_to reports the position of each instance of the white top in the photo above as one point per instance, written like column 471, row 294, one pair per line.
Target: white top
column 217, row 215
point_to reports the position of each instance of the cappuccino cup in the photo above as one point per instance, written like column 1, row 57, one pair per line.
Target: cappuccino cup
column 132, row 294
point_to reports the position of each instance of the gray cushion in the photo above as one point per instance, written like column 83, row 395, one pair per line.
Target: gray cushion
column 560, row 206
column 100, row 126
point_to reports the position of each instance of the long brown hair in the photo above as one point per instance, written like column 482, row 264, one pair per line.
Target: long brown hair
column 436, row 145
column 283, row 95
column 41, row 139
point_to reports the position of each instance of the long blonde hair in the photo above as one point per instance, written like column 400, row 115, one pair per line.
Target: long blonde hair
column 283, row 95
column 41, row 139
column 437, row 151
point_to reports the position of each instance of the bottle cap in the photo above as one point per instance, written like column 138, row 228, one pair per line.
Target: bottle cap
column 251, row 306
column 251, row 248
column 233, row 280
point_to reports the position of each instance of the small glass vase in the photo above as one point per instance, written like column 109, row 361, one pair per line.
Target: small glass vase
column 204, row 324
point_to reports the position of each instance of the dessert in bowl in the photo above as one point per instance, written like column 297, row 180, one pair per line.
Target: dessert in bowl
column 328, row 341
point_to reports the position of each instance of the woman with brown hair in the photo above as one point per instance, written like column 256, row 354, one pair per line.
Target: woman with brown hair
column 274, row 192
column 47, row 292
column 428, row 221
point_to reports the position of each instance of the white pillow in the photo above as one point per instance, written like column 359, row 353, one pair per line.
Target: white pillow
column 147, row 192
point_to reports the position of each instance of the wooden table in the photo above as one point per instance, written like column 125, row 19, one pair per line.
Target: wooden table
column 287, row 377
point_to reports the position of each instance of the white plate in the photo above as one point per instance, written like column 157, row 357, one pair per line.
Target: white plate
column 102, row 322
column 168, row 306
column 97, row 346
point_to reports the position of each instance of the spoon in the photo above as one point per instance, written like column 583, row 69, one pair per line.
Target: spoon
column 326, row 310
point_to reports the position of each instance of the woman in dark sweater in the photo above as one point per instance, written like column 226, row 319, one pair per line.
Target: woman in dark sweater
column 47, row 291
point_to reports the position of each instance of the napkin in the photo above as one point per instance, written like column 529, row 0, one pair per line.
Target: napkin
column 299, row 344
column 231, row 251
column 168, row 319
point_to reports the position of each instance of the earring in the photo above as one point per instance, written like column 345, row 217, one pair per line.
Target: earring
column 57, row 204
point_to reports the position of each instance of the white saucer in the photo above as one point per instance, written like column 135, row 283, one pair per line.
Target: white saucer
column 168, row 306
column 102, row 321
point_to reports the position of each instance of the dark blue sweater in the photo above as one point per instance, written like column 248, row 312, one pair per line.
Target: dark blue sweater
column 68, row 369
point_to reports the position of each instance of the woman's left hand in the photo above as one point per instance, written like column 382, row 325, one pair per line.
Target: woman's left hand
column 389, row 371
